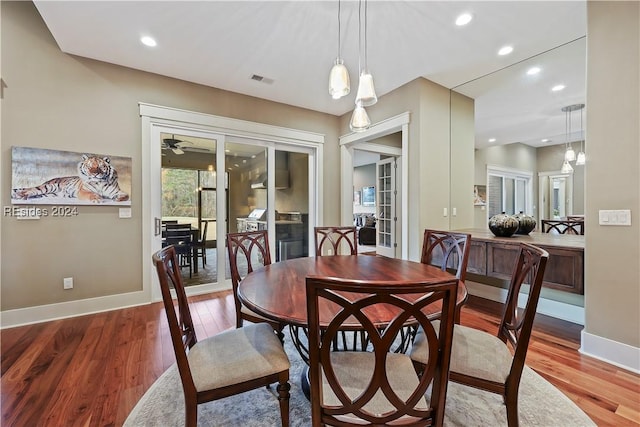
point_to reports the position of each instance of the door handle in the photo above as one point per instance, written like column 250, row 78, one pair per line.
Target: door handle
column 157, row 226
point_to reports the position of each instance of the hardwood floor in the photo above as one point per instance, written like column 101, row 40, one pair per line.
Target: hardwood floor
column 91, row 370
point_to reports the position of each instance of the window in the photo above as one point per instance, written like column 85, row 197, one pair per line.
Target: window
column 508, row 191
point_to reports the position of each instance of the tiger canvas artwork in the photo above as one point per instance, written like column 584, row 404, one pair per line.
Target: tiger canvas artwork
column 95, row 180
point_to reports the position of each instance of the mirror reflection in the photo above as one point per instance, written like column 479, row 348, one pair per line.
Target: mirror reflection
column 522, row 135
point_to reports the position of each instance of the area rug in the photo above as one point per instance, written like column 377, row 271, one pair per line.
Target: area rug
column 541, row 404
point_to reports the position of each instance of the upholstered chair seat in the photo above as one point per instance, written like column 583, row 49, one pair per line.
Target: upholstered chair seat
column 354, row 370
column 474, row 353
column 236, row 356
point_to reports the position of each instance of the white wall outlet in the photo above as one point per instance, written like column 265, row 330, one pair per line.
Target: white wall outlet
column 330, row 251
column 67, row 283
column 454, row 211
column 445, row 212
column 124, row 213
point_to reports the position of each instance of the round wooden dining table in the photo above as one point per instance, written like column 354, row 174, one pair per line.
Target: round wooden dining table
column 278, row 291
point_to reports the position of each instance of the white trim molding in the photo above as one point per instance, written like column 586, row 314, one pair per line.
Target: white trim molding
column 360, row 140
column 615, row 353
column 83, row 307
column 559, row 310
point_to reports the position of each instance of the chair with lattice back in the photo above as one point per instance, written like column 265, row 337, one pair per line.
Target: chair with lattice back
column 206, row 371
column 336, row 240
column 377, row 386
column 448, row 250
column 482, row 360
column 247, row 251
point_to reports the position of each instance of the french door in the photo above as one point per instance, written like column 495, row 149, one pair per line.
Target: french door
column 387, row 219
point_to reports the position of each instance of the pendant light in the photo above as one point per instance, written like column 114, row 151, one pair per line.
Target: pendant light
column 339, row 82
column 581, row 158
column 566, row 167
column 359, row 119
column 366, row 95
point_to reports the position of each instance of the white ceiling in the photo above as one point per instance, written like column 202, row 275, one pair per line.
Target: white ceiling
column 294, row 43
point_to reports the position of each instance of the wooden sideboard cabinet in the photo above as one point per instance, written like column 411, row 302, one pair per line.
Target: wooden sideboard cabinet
column 495, row 256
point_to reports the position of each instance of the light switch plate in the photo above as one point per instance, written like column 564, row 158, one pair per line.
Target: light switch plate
column 124, row 213
column 615, row 217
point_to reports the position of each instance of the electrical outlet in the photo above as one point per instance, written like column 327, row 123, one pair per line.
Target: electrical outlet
column 330, row 252
column 67, row 283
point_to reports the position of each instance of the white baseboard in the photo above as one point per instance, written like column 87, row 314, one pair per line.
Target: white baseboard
column 613, row 352
column 559, row 310
column 63, row 310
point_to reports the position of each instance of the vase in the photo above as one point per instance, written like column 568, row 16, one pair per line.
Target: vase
column 503, row 225
column 526, row 223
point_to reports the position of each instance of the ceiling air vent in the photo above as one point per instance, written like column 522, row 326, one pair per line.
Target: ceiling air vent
column 262, row 79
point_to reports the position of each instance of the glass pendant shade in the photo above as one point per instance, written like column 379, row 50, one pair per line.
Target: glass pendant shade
column 570, row 155
column 359, row 119
column 366, row 91
column 580, row 159
column 339, row 83
column 566, row 167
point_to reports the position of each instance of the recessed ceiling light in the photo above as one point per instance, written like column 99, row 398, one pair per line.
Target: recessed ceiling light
column 533, row 70
column 148, row 41
column 506, row 50
column 463, row 19
column 492, row 140
column 545, row 140
column 557, row 88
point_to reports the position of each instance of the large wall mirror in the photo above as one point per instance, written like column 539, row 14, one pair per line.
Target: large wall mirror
column 521, row 130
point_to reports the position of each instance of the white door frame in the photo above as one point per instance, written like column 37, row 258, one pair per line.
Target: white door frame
column 154, row 118
column 360, row 141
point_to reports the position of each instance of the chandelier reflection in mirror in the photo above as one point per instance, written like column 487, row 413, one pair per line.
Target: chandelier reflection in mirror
column 570, row 154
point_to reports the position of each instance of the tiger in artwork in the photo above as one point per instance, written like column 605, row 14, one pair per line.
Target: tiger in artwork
column 96, row 181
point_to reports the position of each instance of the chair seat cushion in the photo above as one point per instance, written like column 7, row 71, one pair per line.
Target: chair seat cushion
column 236, row 356
column 474, row 352
column 247, row 311
column 354, row 370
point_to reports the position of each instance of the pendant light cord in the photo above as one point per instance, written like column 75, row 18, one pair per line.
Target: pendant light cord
column 339, row 37
column 359, row 37
column 365, row 37
column 581, row 130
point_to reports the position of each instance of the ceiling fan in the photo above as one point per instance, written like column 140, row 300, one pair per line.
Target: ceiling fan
column 174, row 144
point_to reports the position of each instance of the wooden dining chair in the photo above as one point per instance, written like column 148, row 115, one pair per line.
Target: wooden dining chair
column 336, row 240
column 483, row 360
column 562, row 226
column 180, row 237
column 247, row 251
column 447, row 250
column 222, row 365
column 378, row 386
column 200, row 245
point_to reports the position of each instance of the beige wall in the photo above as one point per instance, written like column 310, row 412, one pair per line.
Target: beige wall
column 462, row 161
column 612, row 276
column 59, row 101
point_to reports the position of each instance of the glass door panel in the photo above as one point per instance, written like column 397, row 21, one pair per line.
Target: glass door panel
column 291, row 204
column 187, row 190
column 246, row 168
